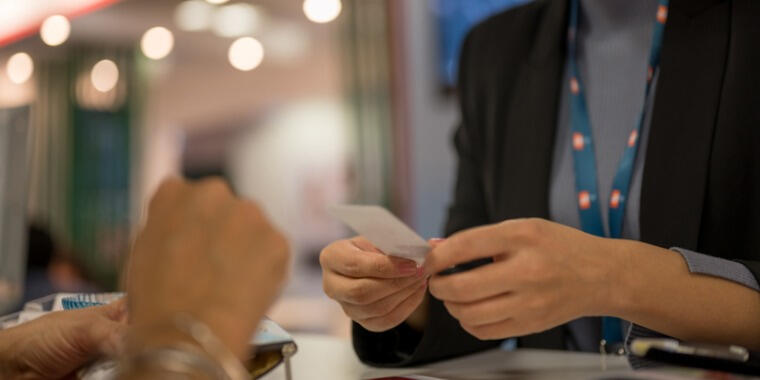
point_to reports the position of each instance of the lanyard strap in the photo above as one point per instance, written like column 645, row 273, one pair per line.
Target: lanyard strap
column 586, row 181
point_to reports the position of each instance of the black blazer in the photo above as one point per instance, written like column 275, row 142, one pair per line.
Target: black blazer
column 701, row 181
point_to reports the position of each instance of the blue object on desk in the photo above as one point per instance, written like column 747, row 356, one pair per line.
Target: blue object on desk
column 81, row 301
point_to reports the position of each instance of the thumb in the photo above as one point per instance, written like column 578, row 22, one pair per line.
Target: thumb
column 107, row 334
column 115, row 311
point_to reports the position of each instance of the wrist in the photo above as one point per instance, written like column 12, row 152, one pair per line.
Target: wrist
column 161, row 330
column 615, row 285
column 629, row 278
column 183, row 343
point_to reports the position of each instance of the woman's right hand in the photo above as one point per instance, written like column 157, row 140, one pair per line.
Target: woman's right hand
column 375, row 290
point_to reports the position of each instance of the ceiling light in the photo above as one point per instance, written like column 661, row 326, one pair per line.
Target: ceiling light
column 157, row 42
column 193, row 15
column 104, row 75
column 322, row 11
column 55, row 30
column 217, row 1
column 237, row 20
column 246, row 53
column 20, row 68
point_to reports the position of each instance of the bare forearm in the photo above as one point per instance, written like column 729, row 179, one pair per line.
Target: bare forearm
column 656, row 290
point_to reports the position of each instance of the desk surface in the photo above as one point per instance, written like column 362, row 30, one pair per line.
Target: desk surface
column 323, row 357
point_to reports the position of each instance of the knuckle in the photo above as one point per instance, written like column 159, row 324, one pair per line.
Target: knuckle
column 214, row 186
column 358, row 294
column 327, row 255
column 380, row 266
column 327, row 287
column 252, row 213
column 529, row 229
column 352, row 266
column 166, row 188
column 399, row 283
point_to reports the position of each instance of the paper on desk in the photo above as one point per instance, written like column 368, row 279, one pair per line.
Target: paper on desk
column 500, row 364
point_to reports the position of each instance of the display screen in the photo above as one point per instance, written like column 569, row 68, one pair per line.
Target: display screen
column 455, row 18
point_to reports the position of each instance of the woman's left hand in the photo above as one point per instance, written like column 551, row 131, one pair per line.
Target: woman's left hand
column 544, row 274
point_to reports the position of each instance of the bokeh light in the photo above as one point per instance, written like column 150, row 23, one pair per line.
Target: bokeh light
column 322, row 11
column 237, row 20
column 157, row 42
column 20, row 68
column 104, row 75
column 246, row 53
column 193, row 15
column 55, row 30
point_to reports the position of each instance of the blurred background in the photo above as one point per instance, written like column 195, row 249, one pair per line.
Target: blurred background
column 298, row 104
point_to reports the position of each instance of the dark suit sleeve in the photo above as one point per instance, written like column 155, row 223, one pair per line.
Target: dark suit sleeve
column 443, row 337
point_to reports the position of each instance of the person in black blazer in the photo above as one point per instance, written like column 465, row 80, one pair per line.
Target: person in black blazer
column 700, row 191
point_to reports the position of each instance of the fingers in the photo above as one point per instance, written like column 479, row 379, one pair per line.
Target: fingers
column 383, row 306
column 112, row 338
column 103, row 328
column 397, row 315
column 484, row 242
column 485, row 312
column 469, row 245
column 363, row 291
column 500, row 330
column 475, row 284
column 362, row 243
column 347, row 257
column 115, row 311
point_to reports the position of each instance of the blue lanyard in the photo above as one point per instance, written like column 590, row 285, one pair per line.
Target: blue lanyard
column 583, row 148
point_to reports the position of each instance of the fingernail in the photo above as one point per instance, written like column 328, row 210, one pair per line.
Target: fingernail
column 408, row 268
column 437, row 240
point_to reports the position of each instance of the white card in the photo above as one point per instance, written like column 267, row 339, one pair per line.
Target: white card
column 383, row 230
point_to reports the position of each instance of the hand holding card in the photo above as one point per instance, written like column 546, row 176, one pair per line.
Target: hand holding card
column 377, row 278
column 383, row 230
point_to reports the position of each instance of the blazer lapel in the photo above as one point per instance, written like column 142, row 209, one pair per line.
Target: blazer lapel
column 530, row 121
column 687, row 99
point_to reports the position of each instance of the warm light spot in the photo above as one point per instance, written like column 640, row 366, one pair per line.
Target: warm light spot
column 322, row 11
column 157, row 42
column 104, row 75
column 246, row 53
column 20, row 68
column 55, row 30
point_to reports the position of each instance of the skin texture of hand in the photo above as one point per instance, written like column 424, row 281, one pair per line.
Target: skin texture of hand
column 57, row 344
column 544, row 274
column 377, row 291
column 208, row 254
